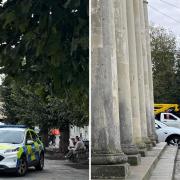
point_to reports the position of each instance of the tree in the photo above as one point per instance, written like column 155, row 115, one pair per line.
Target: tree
column 45, row 41
column 163, row 44
column 177, row 77
column 44, row 56
column 23, row 106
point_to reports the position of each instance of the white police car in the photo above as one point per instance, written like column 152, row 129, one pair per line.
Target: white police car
column 20, row 148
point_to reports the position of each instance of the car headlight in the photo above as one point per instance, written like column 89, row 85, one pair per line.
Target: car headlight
column 12, row 150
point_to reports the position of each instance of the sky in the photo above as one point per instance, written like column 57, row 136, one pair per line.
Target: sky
column 165, row 13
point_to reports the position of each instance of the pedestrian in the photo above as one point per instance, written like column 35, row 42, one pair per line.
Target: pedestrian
column 51, row 138
column 78, row 146
column 71, row 143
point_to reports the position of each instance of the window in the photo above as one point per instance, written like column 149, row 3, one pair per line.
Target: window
column 11, row 136
column 169, row 117
column 35, row 137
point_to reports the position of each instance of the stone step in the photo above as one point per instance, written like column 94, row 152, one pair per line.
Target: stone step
column 143, row 171
column 165, row 167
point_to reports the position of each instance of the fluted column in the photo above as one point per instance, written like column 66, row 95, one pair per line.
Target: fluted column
column 139, row 53
column 146, row 74
column 125, row 109
column 108, row 160
column 151, row 94
column 134, row 76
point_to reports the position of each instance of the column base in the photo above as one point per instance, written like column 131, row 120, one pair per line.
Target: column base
column 149, row 146
column 132, row 152
column 103, row 158
column 129, row 149
column 148, row 143
column 142, row 149
column 141, row 145
column 153, row 143
column 114, row 171
column 134, row 160
column 153, row 140
column 143, row 152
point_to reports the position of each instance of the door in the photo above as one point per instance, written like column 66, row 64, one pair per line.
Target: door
column 159, row 133
column 171, row 120
column 29, row 142
column 36, row 146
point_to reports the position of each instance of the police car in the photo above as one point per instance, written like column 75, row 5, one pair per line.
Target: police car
column 20, row 148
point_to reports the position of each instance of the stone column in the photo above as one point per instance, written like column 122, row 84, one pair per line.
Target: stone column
column 125, row 110
column 140, row 67
column 134, row 78
column 146, row 74
column 151, row 94
column 108, row 160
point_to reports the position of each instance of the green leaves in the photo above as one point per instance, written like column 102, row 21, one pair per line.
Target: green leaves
column 164, row 58
column 44, row 54
column 30, row 105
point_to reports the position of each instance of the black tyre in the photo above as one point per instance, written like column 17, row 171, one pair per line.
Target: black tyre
column 173, row 140
column 40, row 165
column 22, row 167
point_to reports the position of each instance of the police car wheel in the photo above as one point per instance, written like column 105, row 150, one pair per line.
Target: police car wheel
column 40, row 164
column 22, row 168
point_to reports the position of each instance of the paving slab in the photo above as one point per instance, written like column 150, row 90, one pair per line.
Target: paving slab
column 164, row 169
column 177, row 167
column 143, row 171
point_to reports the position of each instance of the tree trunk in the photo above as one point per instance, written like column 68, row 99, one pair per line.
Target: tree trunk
column 64, row 139
column 44, row 135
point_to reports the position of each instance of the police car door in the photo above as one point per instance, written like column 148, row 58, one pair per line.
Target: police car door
column 29, row 143
column 36, row 146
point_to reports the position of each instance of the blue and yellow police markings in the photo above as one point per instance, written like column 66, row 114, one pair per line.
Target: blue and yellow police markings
column 37, row 151
column 32, row 152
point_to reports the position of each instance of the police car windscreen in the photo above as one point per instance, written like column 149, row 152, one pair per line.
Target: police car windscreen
column 11, row 136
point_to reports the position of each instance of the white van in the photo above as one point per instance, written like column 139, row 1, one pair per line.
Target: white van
column 170, row 119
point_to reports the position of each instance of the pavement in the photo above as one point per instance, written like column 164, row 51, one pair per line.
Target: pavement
column 54, row 170
column 143, row 171
column 164, row 169
column 159, row 164
column 177, row 167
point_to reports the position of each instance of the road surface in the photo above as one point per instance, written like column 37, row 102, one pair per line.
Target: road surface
column 55, row 170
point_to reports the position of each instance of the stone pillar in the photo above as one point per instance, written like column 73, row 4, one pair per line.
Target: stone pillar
column 125, row 110
column 108, row 160
column 151, row 94
column 134, row 78
column 146, row 74
column 140, row 67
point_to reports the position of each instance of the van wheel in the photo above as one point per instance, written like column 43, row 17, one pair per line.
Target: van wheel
column 40, row 164
column 22, row 167
column 173, row 140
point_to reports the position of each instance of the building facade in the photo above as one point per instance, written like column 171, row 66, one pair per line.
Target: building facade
column 82, row 132
column 121, row 86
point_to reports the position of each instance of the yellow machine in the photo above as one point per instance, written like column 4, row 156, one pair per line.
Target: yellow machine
column 159, row 108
